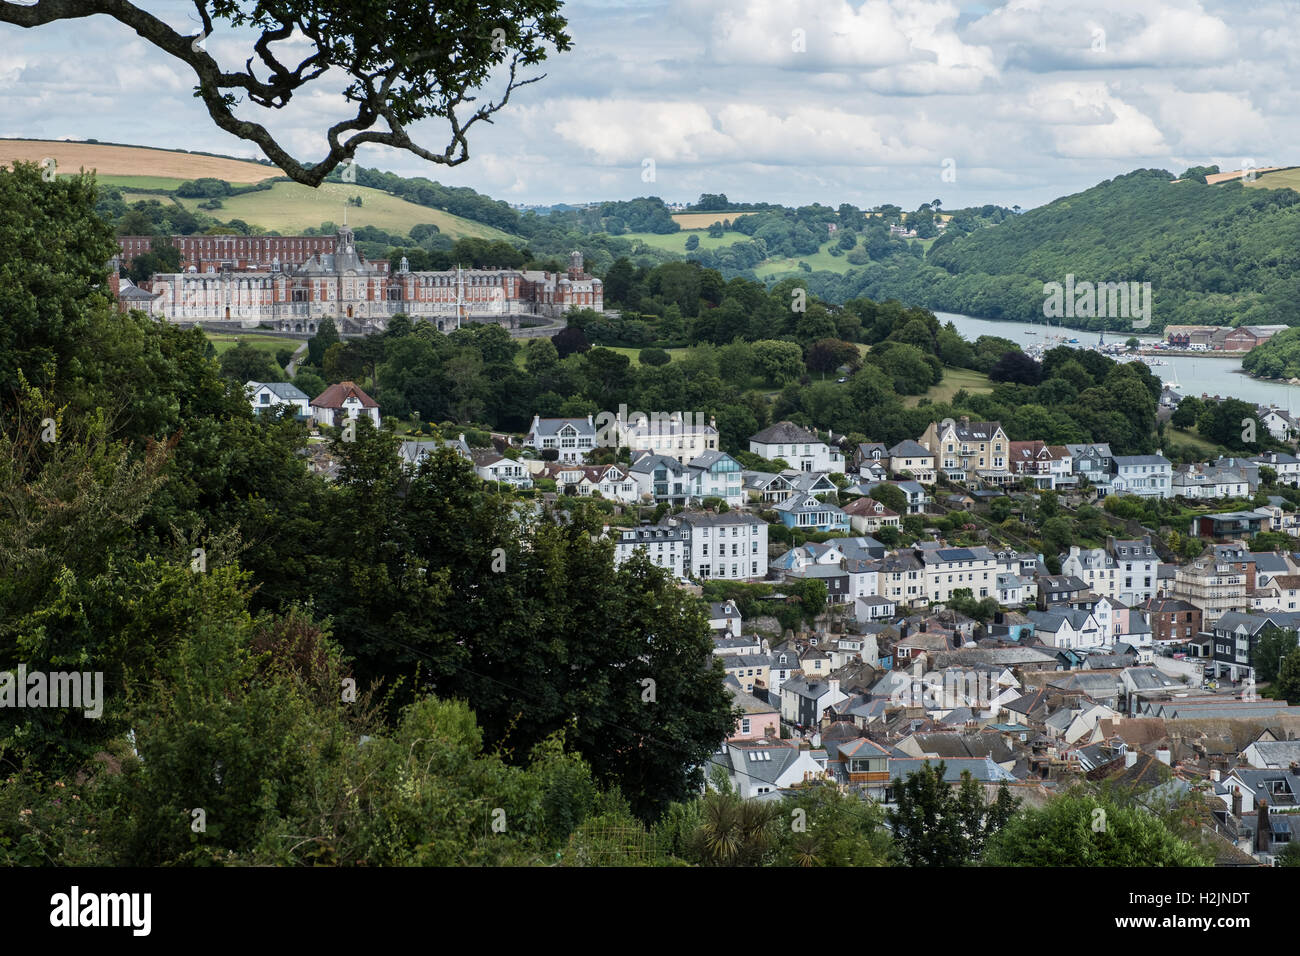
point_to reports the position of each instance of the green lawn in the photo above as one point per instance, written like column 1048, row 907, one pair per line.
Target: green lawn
column 1190, row 438
column 633, row 353
column 143, row 182
column 676, row 241
column 1282, row 179
column 954, row 379
column 222, row 341
column 164, row 198
column 290, row 208
column 821, row 261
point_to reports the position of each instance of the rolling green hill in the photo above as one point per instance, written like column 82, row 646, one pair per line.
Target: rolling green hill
column 1225, row 254
column 286, row 207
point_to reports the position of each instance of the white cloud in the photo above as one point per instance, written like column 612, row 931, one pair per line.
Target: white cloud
column 1106, row 34
column 715, row 92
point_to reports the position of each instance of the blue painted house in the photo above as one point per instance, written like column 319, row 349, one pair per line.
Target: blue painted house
column 806, row 513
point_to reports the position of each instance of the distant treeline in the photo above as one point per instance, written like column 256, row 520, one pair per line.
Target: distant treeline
column 209, row 188
column 457, row 200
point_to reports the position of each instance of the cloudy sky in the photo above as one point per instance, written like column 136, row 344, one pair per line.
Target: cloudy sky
column 791, row 101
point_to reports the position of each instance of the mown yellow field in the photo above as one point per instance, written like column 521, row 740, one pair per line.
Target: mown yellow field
column 702, row 220
column 1215, row 178
column 133, row 161
column 1288, row 178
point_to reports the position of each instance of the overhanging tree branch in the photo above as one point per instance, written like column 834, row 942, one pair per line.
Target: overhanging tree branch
column 404, row 60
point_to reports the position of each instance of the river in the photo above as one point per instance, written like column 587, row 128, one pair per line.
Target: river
column 1190, row 375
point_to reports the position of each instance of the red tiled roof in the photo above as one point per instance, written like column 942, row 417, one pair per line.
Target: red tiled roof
column 335, row 395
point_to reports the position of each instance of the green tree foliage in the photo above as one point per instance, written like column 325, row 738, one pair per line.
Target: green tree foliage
column 1273, row 645
column 326, row 335
column 826, row 355
column 833, row 829
column 55, row 270
column 1231, row 423
column 910, row 369
column 1187, row 412
column 935, row 825
column 891, row 496
column 654, row 357
column 1016, row 367
column 569, row 341
column 1076, row 829
column 1288, row 678
column 779, row 362
column 244, row 363
column 162, row 256
column 1290, row 855
column 1279, row 357
column 733, row 831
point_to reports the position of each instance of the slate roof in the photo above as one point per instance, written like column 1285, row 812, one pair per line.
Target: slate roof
column 861, row 548
column 1149, row 678
column 801, row 503
column 1281, row 753
column 1098, row 449
column 785, row 433
column 707, row 459
column 551, row 426
column 648, row 464
column 654, row 532
column 748, row 703
column 1166, row 605
column 862, row 747
column 1061, row 582
column 1122, row 460
column 701, row 518
column 131, row 291
column 764, row 763
column 910, row 449
column 1092, row 683
column 976, row 431
column 285, row 390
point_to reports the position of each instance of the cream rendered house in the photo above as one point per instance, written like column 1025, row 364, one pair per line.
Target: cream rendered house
column 968, row 451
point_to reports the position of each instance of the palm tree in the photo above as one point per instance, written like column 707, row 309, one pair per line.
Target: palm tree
column 733, row 831
column 806, row 849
